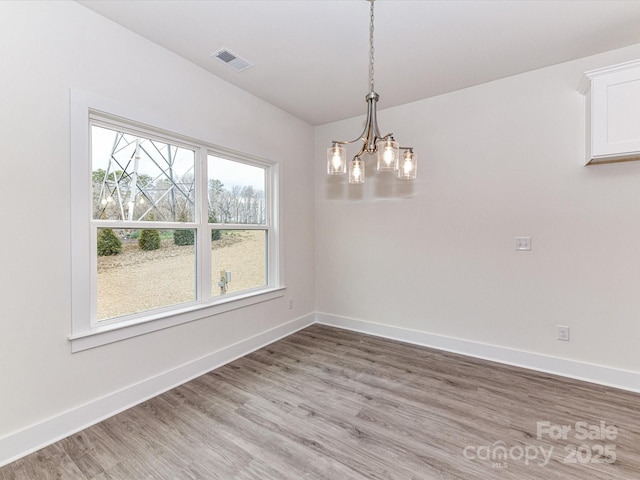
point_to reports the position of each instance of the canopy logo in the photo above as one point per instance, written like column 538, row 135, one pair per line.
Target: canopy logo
column 498, row 453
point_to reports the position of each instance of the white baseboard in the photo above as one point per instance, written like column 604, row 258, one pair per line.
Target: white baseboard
column 611, row 377
column 35, row 437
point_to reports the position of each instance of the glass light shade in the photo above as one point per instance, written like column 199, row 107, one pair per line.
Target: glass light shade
column 408, row 168
column 336, row 160
column 388, row 155
column 356, row 171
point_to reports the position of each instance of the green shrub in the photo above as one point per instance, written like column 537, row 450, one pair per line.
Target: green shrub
column 149, row 240
column 215, row 234
column 108, row 242
column 183, row 237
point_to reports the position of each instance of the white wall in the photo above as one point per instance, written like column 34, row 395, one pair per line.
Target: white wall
column 496, row 161
column 46, row 49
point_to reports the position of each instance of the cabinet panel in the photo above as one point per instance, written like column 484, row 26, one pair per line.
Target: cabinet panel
column 623, row 123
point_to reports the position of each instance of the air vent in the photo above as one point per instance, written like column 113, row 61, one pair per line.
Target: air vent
column 229, row 58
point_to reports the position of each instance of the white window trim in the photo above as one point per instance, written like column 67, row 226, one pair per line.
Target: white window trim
column 86, row 334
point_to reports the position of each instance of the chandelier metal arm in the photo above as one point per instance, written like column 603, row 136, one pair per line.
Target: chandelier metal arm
column 345, row 142
column 371, row 132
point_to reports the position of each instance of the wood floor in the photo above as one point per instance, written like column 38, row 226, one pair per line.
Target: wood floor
column 326, row 403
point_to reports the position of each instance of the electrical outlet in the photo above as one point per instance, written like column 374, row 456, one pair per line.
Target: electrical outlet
column 523, row 244
column 291, row 304
column 563, row 333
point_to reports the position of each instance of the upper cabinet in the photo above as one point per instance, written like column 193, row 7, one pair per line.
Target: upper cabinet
column 613, row 113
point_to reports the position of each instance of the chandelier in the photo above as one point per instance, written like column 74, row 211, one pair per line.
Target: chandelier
column 386, row 147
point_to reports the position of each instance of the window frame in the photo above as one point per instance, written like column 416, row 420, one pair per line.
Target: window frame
column 86, row 331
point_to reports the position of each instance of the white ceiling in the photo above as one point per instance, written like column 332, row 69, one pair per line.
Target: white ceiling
column 310, row 57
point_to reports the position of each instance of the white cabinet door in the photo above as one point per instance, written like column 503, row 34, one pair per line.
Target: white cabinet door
column 613, row 113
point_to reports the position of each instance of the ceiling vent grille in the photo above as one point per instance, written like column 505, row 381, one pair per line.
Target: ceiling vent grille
column 229, row 58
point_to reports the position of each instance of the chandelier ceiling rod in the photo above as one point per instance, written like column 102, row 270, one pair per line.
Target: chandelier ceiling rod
column 387, row 148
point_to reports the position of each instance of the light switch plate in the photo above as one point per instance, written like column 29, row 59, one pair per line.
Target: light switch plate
column 523, row 244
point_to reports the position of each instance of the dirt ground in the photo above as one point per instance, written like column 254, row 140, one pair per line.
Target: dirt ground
column 136, row 280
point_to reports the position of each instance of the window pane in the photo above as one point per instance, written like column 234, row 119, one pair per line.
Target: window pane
column 141, row 270
column 135, row 178
column 241, row 253
column 236, row 192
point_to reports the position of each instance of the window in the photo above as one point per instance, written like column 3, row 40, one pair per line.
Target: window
column 165, row 229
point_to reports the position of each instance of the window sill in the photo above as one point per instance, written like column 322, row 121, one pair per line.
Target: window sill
column 114, row 332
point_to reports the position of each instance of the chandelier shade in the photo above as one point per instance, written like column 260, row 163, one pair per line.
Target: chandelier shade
column 356, row 171
column 336, row 160
column 388, row 155
column 408, row 169
column 373, row 142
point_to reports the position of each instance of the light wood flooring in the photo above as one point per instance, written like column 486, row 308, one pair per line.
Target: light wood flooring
column 326, row 403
